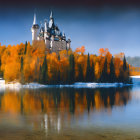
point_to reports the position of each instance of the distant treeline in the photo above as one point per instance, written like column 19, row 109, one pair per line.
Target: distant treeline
column 134, row 61
column 32, row 63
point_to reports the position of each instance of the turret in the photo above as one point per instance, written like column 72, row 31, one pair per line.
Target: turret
column 45, row 25
column 41, row 28
column 63, row 37
column 34, row 29
column 46, row 30
column 68, row 43
column 51, row 22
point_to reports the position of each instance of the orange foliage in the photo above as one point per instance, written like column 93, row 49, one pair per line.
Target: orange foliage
column 33, row 57
column 103, row 52
column 80, row 50
column 134, row 70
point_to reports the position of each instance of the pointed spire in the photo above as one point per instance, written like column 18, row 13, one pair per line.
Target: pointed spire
column 51, row 15
column 34, row 22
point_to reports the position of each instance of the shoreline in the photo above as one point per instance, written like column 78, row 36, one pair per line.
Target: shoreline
column 34, row 85
column 75, row 85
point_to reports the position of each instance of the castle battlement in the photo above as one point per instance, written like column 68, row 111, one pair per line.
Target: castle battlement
column 54, row 39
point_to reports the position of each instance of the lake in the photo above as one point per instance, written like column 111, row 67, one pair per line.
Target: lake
column 70, row 113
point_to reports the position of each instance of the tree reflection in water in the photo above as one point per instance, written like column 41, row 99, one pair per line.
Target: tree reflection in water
column 50, row 108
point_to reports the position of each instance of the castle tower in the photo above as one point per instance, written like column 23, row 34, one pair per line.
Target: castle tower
column 63, row 37
column 68, row 43
column 34, row 29
column 45, row 30
column 46, row 36
column 52, row 36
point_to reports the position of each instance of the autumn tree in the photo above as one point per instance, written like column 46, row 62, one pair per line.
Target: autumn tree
column 28, row 63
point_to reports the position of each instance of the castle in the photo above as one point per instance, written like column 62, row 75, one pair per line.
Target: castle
column 54, row 40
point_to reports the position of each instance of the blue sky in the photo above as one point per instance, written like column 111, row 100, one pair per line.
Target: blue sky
column 116, row 28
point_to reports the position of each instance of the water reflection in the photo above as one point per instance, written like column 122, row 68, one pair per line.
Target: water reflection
column 72, row 101
column 54, row 109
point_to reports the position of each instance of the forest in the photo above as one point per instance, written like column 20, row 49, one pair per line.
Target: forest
column 27, row 63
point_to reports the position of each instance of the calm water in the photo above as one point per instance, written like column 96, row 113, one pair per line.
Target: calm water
column 70, row 114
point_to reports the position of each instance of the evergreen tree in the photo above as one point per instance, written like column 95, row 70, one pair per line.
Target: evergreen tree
column 121, row 76
column 92, row 75
column 0, row 62
column 44, row 72
column 59, row 57
column 112, row 76
column 124, row 64
column 40, row 74
column 1, row 72
column 58, row 78
column 104, row 75
column 25, row 47
column 125, row 75
column 54, row 77
column 80, row 77
column 21, row 70
column 71, row 73
column 88, row 70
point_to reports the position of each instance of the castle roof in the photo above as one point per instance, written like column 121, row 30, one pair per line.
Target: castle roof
column 50, row 27
column 35, row 25
column 51, row 15
column 34, row 21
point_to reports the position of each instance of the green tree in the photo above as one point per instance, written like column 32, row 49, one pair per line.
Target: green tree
column 58, row 77
column 71, row 73
column 1, row 72
column 126, row 77
column 124, row 64
column 112, row 76
column 25, row 47
column 80, row 77
column 40, row 74
column 92, row 75
column 21, row 71
column 88, row 70
column 104, row 74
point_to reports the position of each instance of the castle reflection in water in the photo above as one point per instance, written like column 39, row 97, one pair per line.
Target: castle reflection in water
column 51, row 108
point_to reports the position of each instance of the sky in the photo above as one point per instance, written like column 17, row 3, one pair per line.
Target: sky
column 108, row 24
